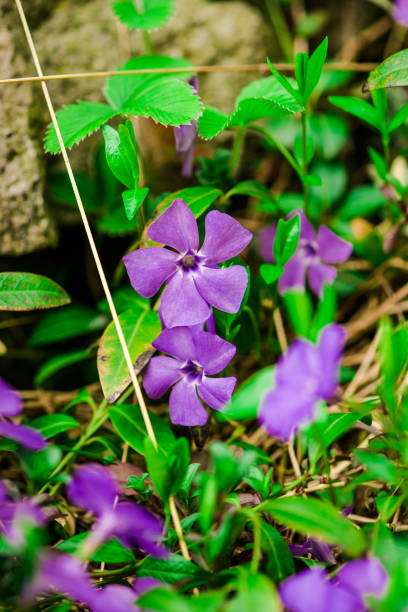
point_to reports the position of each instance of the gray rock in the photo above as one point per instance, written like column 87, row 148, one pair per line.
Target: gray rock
column 25, row 222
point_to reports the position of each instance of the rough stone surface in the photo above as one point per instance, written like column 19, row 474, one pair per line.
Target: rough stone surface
column 25, row 223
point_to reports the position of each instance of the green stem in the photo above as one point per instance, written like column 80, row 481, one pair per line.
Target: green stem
column 280, row 27
column 256, row 549
column 148, row 43
column 386, row 145
column 281, row 148
column 237, row 150
column 332, row 490
column 305, row 169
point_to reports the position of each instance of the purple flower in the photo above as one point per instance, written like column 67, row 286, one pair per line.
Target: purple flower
column 194, row 281
column 186, row 138
column 195, row 357
column 401, row 12
column 312, row 591
column 316, row 548
column 311, row 256
column 94, row 489
column 305, row 374
column 16, row 517
column 10, row 406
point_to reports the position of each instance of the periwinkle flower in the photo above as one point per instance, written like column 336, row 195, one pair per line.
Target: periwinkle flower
column 400, row 12
column 186, row 138
column 11, row 406
column 312, row 591
column 305, row 374
column 17, row 517
column 194, row 280
column 195, row 357
column 94, row 489
column 311, row 257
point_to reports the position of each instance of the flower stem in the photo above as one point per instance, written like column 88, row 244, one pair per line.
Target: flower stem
column 148, row 43
column 237, row 150
column 256, row 549
column 332, row 490
column 305, row 169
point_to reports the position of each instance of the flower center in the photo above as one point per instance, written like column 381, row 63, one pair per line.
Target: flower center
column 188, row 261
column 309, row 249
column 192, row 370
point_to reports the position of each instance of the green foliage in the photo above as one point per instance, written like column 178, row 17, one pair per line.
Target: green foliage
column 69, row 322
column 111, row 551
column 140, row 327
column 24, row 291
column 392, row 72
column 245, row 401
column 151, row 14
column 128, row 422
column 167, row 466
column 51, row 425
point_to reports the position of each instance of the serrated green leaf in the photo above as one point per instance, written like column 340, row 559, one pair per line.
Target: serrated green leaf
column 76, row 122
column 69, row 322
column 392, row 72
column 52, row 424
column 133, row 199
column 357, row 107
column 25, row 291
column 319, row 519
column 58, row 363
column 212, row 122
column 151, row 14
column 140, row 327
column 128, row 422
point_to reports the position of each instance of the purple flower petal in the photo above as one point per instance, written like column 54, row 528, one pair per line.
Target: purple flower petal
column 294, row 275
column 318, row 549
column 364, row 577
column 332, row 248
column 27, row 436
column 223, row 288
column 224, row 237
column 299, row 368
column 143, row 585
column 216, row 392
column 185, row 406
column 114, row 598
column 284, row 410
column 10, row 400
column 311, row 591
column 213, row 353
column 93, row 488
column 136, row 527
column 178, row 342
column 188, row 161
column 149, row 268
column 160, row 375
column 176, row 228
column 182, row 304
column 400, row 12
column 318, row 275
column 331, row 345
column 266, row 240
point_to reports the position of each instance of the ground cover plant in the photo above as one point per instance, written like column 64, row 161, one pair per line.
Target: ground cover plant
column 237, row 435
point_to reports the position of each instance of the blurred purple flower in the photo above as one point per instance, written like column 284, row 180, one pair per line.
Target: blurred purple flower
column 16, row 517
column 311, row 256
column 186, row 138
column 194, row 358
column 312, row 591
column 316, row 548
column 400, row 12
column 66, row 575
column 305, row 374
column 11, row 406
column 94, row 489
column 194, row 281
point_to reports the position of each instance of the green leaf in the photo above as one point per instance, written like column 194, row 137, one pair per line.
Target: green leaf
column 398, row 119
column 76, row 121
column 133, row 199
column 286, row 239
column 279, row 564
column 151, row 14
column 24, row 291
column 393, row 72
column 271, row 273
column 158, row 468
column 378, row 466
column 111, row 551
column 121, row 154
column 164, row 98
column 140, row 327
column 319, row 519
column 255, row 592
column 245, row 402
column 330, row 132
column 379, row 163
column 301, row 62
column 58, row 363
column 171, row 570
column 116, row 223
column 315, row 67
column 357, row 107
column 51, row 425
column 212, row 122
column 284, row 82
column 69, row 322
column 299, row 309
column 128, row 422
column 362, row 202
column 252, row 189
